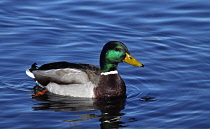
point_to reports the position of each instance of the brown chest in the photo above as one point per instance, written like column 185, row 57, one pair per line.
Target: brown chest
column 110, row 86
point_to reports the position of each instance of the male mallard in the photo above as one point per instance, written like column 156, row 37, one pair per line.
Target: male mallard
column 85, row 80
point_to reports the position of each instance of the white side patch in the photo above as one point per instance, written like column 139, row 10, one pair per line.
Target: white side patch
column 74, row 90
column 29, row 73
column 110, row 72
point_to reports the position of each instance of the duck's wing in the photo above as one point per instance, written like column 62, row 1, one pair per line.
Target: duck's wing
column 64, row 73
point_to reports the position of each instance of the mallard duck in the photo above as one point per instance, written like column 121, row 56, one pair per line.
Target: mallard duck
column 86, row 80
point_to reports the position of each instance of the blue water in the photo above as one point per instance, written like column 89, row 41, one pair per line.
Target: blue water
column 171, row 38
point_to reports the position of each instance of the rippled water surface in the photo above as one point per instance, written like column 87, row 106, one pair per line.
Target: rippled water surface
column 171, row 38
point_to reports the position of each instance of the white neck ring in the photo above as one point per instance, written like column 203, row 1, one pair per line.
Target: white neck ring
column 110, row 72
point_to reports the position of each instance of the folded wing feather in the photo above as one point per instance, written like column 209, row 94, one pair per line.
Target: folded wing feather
column 61, row 76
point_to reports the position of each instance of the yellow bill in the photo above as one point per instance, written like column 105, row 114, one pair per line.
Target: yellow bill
column 132, row 61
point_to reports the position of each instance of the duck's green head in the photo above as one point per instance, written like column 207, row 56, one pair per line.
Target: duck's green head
column 113, row 53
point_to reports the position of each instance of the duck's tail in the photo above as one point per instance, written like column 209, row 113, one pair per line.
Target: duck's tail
column 29, row 71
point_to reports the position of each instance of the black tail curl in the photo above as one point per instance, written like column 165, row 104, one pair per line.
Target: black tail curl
column 33, row 67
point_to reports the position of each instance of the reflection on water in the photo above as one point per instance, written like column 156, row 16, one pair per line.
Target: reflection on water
column 109, row 108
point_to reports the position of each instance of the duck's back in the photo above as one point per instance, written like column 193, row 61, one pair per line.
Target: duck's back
column 66, row 73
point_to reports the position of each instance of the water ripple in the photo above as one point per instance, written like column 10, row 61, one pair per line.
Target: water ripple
column 169, row 37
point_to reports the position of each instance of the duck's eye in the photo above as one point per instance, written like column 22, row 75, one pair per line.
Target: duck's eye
column 117, row 49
